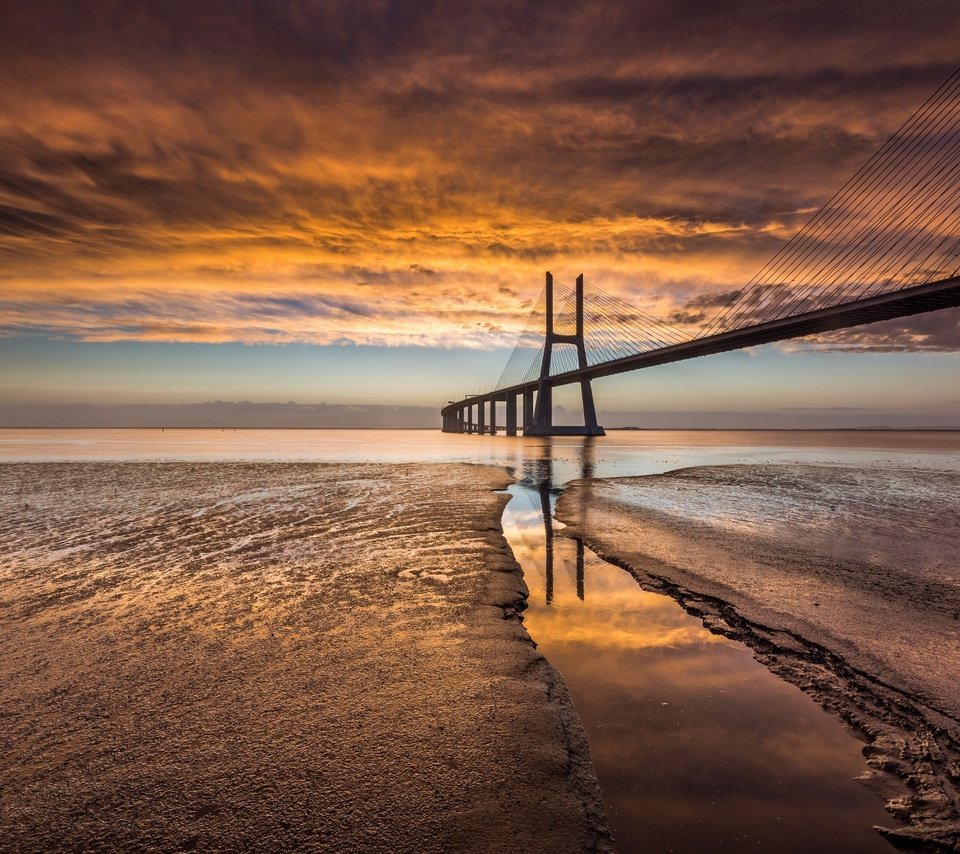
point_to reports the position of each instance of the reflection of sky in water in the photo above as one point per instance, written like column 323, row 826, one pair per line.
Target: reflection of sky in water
column 697, row 746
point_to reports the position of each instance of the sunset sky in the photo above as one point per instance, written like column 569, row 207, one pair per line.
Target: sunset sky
column 355, row 202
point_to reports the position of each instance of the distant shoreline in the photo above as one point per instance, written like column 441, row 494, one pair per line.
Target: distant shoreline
column 786, row 429
column 608, row 429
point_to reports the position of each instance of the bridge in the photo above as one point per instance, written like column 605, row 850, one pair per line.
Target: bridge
column 887, row 245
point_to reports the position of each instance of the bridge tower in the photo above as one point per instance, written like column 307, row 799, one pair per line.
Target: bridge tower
column 542, row 423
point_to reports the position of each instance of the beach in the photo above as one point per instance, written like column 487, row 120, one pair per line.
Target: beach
column 322, row 640
column 844, row 581
column 244, row 656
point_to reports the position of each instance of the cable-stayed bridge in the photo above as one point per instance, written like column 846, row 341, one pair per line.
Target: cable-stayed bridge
column 887, row 245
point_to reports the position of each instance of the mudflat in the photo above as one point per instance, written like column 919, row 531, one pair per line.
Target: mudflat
column 243, row 656
column 844, row 580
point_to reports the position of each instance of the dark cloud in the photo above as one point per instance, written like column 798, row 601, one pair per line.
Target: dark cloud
column 20, row 222
column 936, row 332
column 687, row 318
column 712, row 300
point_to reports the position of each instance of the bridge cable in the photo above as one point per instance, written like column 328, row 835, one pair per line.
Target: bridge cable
column 765, row 295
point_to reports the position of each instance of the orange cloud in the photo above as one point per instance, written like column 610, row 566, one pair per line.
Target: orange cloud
column 332, row 172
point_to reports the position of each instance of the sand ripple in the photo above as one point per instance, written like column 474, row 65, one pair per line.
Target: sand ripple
column 274, row 657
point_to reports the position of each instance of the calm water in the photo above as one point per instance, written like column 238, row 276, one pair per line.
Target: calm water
column 696, row 745
column 556, row 460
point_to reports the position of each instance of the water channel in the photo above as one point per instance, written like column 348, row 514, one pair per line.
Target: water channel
column 696, row 745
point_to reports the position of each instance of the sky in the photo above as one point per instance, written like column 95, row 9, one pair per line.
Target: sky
column 354, row 203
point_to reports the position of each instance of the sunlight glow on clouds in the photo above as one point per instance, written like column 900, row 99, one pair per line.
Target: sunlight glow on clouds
column 403, row 173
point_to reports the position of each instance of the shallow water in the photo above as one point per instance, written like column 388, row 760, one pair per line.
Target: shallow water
column 696, row 745
column 621, row 453
column 884, row 511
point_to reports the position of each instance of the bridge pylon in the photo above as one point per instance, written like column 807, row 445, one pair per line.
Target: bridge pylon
column 542, row 423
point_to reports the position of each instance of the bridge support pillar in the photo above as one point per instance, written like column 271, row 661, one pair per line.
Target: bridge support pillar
column 589, row 410
column 512, row 414
column 527, row 409
column 480, row 418
column 543, row 416
column 543, row 413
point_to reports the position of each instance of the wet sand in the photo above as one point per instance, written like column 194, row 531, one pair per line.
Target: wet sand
column 236, row 656
column 844, row 581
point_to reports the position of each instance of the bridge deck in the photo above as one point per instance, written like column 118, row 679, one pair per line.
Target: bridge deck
column 902, row 303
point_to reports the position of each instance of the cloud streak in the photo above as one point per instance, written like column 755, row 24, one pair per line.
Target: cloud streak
column 402, row 173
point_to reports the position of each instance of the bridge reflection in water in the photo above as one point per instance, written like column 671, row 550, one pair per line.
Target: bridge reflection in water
column 696, row 745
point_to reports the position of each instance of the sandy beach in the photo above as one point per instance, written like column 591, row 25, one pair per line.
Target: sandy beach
column 843, row 580
column 240, row 656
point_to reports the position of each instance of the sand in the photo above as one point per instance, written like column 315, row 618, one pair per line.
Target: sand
column 845, row 581
column 276, row 657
